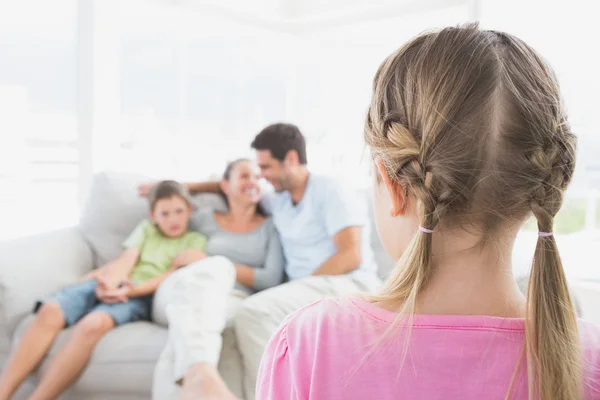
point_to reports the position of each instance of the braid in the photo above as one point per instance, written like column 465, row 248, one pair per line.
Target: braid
column 401, row 153
column 549, row 299
column 547, row 196
column 554, row 166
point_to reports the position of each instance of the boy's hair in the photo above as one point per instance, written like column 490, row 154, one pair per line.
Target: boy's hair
column 472, row 124
column 166, row 190
column 279, row 139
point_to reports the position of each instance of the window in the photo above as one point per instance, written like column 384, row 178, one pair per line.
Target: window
column 334, row 72
column 174, row 91
column 564, row 33
column 192, row 90
column 39, row 157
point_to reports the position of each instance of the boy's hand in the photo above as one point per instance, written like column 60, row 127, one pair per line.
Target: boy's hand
column 187, row 257
column 116, row 295
column 89, row 276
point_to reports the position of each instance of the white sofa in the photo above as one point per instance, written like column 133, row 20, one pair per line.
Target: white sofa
column 122, row 365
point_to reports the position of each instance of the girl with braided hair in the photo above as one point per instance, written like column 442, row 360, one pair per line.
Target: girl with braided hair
column 469, row 139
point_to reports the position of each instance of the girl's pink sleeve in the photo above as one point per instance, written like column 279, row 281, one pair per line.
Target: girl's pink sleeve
column 275, row 377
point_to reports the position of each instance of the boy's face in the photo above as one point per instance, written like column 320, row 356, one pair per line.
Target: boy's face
column 172, row 216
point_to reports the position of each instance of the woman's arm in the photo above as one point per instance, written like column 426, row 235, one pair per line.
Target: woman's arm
column 244, row 275
column 272, row 272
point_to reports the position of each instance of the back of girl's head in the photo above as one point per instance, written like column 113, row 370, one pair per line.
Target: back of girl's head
column 471, row 123
column 166, row 190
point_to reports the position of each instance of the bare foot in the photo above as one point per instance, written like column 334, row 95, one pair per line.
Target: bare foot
column 203, row 382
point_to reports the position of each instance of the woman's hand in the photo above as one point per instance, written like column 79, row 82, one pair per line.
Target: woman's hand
column 187, row 257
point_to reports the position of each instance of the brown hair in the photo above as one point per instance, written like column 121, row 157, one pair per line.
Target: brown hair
column 166, row 190
column 279, row 139
column 471, row 123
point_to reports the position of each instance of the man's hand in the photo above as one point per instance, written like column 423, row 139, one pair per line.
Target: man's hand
column 187, row 257
column 144, row 189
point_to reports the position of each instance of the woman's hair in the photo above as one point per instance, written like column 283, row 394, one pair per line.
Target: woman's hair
column 471, row 123
column 227, row 176
column 166, row 190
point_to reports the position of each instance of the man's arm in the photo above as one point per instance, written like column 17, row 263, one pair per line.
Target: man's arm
column 348, row 255
column 193, row 187
column 204, row 187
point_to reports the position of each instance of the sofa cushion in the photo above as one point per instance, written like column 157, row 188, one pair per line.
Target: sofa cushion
column 122, row 362
column 36, row 266
column 113, row 209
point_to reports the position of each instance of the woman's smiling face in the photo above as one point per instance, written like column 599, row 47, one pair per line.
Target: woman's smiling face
column 243, row 183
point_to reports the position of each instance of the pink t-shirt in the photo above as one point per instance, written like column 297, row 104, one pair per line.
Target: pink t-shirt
column 332, row 350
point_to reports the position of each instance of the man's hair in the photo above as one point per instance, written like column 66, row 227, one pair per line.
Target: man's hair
column 166, row 190
column 279, row 139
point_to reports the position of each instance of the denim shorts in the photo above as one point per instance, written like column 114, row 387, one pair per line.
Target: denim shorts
column 76, row 301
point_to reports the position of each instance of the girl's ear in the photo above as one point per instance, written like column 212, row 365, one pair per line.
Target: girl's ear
column 396, row 191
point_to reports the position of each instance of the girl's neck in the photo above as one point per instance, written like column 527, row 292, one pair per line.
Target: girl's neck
column 471, row 279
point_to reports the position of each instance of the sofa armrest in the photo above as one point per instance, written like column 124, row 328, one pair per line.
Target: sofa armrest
column 588, row 294
column 35, row 266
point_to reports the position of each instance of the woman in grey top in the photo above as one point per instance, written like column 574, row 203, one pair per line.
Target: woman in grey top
column 243, row 255
column 244, row 234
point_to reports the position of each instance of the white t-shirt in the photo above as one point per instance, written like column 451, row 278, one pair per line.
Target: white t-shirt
column 307, row 228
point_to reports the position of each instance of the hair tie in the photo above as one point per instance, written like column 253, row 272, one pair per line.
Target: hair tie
column 545, row 234
column 425, row 230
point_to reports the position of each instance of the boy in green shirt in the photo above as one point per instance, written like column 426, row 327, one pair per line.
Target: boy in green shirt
column 118, row 293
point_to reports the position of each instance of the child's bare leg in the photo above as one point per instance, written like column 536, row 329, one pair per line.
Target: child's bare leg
column 203, row 382
column 72, row 359
column 33, row 346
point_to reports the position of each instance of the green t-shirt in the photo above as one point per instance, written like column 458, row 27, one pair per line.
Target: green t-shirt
column 157, row 251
